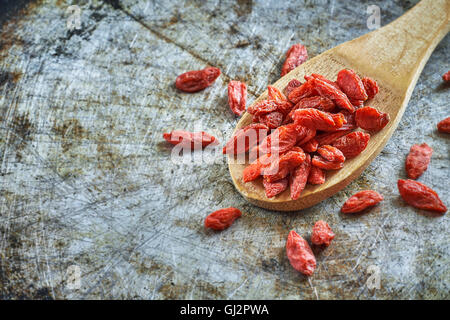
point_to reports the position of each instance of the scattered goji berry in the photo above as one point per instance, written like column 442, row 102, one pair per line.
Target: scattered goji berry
column 370, row 86
column 444, row 125
column 300, row 254
column 316, row 175
column 371, row 119
column 295, row 56
column 351, row 84
column 237, row 96
column 420, row 196
column 446, row 76
column 222, row 219
column 310, row 146
column 299, row 177
column 361, row 200
column 274, row 188
column 352, row 144
column 194, row 140
column 193, row 81
column 322, row 234
column 417, row 160
column 294, row 83
column 246, row 138
column 280, row 140
column 331, row 153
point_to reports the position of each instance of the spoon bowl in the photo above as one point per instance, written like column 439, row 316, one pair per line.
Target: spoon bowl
column 394, row 56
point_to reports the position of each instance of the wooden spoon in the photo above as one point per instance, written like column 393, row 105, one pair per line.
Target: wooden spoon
column 394, row 56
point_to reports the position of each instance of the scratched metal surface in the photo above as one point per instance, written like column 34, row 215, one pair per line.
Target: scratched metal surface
column 86, row 179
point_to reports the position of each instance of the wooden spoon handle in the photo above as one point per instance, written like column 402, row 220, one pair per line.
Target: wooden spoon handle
column 398, row 51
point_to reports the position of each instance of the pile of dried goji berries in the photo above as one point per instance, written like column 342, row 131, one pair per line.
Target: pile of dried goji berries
column 298, row 135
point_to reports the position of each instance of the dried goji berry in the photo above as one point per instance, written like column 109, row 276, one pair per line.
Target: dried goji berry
column 280, row 140
column 193, row 81
column 222, row 219
column 330, row 137
column 263, row 107
column 316, row 102
column 299, row 177
column 446, row 76
column 351, row 85
column 274, row 188
column 417, row 160
column 329, row 91
column 193, row 140
column 304, row 134
column 352, row 144
column 357, row 103
column 246, row 138
column 371, row 119
column 310, row 146
column 275, row 94
column 317, row 119
column 316, row 175
column 361, row 200
column 444, row 125
column 321, row 77
column 420, row 196
column 294, row 83
column 272, row 120
column 282, row 165
column 254, row 169
column 322, row 233
column 300, row 254
column 237, row 96
column 303, row 91
column 370, row 86
column 322, row 163
column 295, row 56
column 331, row 153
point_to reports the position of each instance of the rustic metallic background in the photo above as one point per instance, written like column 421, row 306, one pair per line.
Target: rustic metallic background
column 86, row 178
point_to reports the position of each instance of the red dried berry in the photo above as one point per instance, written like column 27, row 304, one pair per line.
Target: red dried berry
column 274, row 188
column 310, row 146
column 299, row 177
column 446, row 76
column 316, row 176
column 331, row 153
column 370, row 86
column 330, row 137
column 246, row 138
column 275, row 94
column 304, row 134
column 357, row 103
column 361, row 200
column 322, row 234
column 193, row 81
column 352, row 144
column 280, row 140
column 317, row 119
column 237, row 96
column 329, row 91
column 300, row 254
column 316, row 102
column 417, row 160
column 444, row 125
column 295, row 56
column 371, row 119
column 272, row 120
column 254, row 169
column 321, row 77
column 294, row 83
column 322, row 163
column 263, row 107
column 420, row 196
column 282, row 165
column 304, row 91
column 193, row 140
column 222, row 219
column 351, row 85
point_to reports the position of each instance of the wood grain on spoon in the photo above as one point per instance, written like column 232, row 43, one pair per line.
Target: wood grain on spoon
column 394, row 56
